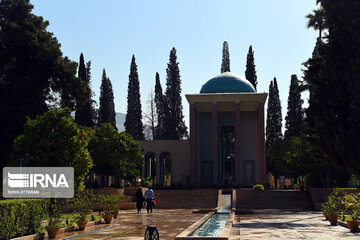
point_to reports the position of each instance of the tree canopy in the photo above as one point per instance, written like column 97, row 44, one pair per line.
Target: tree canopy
column 115, row 153
column 294, row 117
column 55, row 140
column 34, row 75
column 225, row 64
column 133, row 123
column 160, row 106
column 175, row 127
column 107, row 107
column 333, row 74
column 85, row 114
column 250, row 73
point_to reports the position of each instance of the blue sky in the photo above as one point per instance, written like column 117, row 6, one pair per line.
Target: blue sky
column 109, row 32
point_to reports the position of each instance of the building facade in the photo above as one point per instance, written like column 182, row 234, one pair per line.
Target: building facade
column 227, row 139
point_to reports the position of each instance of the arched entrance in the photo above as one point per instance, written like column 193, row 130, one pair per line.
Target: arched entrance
column 150, row 166
column 165, row 169
column 227, row 142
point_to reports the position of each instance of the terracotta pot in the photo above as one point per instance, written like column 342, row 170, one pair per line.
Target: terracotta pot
column 116, row 214
column 333, row 219
column 52, row 231
column 108, row 218
column 326, row 216
column 353, row 225
column 82, row 224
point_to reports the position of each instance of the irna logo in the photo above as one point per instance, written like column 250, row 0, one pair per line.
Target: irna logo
column 38, row 182
column 18, row 180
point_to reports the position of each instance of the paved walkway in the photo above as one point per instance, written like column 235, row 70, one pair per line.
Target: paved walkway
column 264, row 225
column 276, row 224
column 132, row 226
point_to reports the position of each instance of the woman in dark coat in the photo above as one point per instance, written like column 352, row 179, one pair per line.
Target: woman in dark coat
column 139, row 200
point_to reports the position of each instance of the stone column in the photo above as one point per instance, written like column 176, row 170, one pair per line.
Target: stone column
column 215, row 142
column 193, row 164
column 238, row 169
column 158, row 177
column 261, row 162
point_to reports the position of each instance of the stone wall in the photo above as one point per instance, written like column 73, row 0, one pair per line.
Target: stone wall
column 319, row 195
column 191, row 199
column 179, row 150
column 272, row 199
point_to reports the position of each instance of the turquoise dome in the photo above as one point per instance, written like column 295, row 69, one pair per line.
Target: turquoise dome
column 227, row 82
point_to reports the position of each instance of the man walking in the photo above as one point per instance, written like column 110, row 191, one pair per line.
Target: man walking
column 149, row 196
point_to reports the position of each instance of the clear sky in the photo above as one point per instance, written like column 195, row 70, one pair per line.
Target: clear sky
column 109, row 32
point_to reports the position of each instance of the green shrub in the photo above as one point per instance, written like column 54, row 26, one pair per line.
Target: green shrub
column 108, row 203
column 147, row 184
column 19, row 217
column 81, row 203
column 258, row 187
column 334, row 204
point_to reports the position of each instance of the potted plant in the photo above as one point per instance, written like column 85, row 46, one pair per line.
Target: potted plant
column 54, row 218
column 106, row 203
column 82, row 204
column 334, row 207
column 352, row 206
column 324, row 208
column 117, row 200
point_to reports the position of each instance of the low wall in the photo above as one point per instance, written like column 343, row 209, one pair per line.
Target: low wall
column 272, row 199
column 319, row 195
column 190, row 199
column 110, row 191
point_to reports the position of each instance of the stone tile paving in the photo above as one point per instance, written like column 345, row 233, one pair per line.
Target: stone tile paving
column 276, row 224
column 132, row 226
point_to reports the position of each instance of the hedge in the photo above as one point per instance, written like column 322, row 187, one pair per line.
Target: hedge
column 19, row 217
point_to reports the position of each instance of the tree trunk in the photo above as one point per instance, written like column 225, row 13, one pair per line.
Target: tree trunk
column 117, row 178
column 275, row 180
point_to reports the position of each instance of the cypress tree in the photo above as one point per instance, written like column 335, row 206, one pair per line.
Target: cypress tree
column 273, row 126
column 160, row 109
column 225, row 64
column 133, row 124
column 85, row 114
column 175, row 127
column 107, row 106
column 250, row 73
column 273, row 118
column 294, row 117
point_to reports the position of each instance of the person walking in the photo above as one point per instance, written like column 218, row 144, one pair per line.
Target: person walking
column 149, row 196
column 139, row 199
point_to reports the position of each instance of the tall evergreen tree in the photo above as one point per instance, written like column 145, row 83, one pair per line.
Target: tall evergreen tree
column 85, row 114
column 274, row 116
column 32, row 69
column 273, row 126
column 107, row 107
column 175, row 127
column 160, row 109
column 225, row 64
column 133, row 124
column 250, row 73
column 294, row 117
column 333, row 75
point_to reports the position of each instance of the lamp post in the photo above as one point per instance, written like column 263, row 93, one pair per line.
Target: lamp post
column 21, row 160
column 151, row 233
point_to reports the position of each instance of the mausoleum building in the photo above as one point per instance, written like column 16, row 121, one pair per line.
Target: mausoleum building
column 227, row 139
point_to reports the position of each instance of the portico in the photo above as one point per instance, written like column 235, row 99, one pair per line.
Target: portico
column 227, row 145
